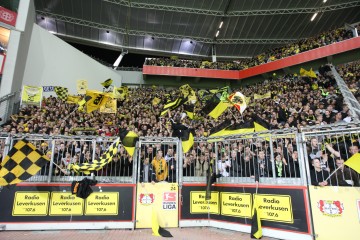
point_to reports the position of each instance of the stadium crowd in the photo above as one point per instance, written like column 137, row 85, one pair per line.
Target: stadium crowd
column 302, row 45
column 294, row 102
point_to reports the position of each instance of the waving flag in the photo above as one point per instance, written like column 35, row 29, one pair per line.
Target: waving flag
column 239, row 101
column 96, row 164
column 22, row 162
column 107, row 83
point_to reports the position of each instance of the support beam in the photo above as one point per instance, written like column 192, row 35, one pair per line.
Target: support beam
column 254, row 12
column 126, row 31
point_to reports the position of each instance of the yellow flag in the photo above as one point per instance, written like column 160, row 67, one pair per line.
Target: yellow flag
column 156, row 101
column 31, row 95
column 121, row 92
column 305, row 73
column 81, row 86
column 264, row 96
column 94, row 100
column 73, row 99
column 107, row 83
column 354, row 162
column 109, row 106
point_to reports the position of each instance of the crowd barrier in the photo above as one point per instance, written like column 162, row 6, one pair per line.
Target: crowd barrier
column 290, row 207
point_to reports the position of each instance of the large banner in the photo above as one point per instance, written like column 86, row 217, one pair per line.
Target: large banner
column 55, row 203
column 163, row 198
column 31, row 95
column 279, row 207
column 7, row 16
column 336, row 212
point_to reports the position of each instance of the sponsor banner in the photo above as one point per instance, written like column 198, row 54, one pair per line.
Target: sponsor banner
column 236, row 204
column 279, row 207
column 7, row 16
column 48, row 88
column 31, row 204
column 163, row 197
column 102, row 204
column 55, row 203
column 275, row 208
column 198, row 203
column 358, row 207
column 65, row 204
column 335, row 208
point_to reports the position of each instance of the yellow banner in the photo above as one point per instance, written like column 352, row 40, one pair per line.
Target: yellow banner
column 198, row 203
column 121, row 92
column 109, row 106
column 94, row 100
column 335, row 208
column 264, row 96
column 31, row 95
column 31, row 204
column 81, row 86
column 277, row 208
column 305, row 73
column 65, row 204
column 163, row 197
column 236, row 204
column 73, row 99
column 102, row 204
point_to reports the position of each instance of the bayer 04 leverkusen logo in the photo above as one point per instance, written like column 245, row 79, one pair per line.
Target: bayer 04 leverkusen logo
column 7, row 16
column 331, row 208
column 169, row 201
column 146, row 199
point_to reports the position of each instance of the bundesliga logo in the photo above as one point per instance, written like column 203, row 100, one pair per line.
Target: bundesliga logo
column 6, row 16
column 169, row 200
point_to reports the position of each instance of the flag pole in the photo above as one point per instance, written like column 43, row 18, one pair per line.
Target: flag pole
column 332, row 173
column 231, row 113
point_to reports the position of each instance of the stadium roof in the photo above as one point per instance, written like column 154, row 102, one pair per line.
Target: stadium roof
column 184, row 27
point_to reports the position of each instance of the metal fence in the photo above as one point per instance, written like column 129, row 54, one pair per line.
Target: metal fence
column 64, row 150
column 158, row 159
column 280, row 157
column 326, row 149
column 274, row 156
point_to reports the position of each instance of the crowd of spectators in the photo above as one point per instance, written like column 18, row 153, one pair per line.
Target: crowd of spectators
column 295, row 102
column 302, row 45
column 350, row 72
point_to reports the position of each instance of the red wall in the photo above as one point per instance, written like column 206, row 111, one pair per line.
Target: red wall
column 311, row 55
column 190, row 72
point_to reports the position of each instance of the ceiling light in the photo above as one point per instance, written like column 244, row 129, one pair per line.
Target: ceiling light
column 314, row 16
column 222, row 22
column 217, row 33
column 324, row 1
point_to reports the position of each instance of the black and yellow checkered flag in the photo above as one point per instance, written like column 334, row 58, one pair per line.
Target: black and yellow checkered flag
column 62, row 93
column 22, row 162
column 96, row 165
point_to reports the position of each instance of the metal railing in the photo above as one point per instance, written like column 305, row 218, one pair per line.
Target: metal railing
column 279, row 157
